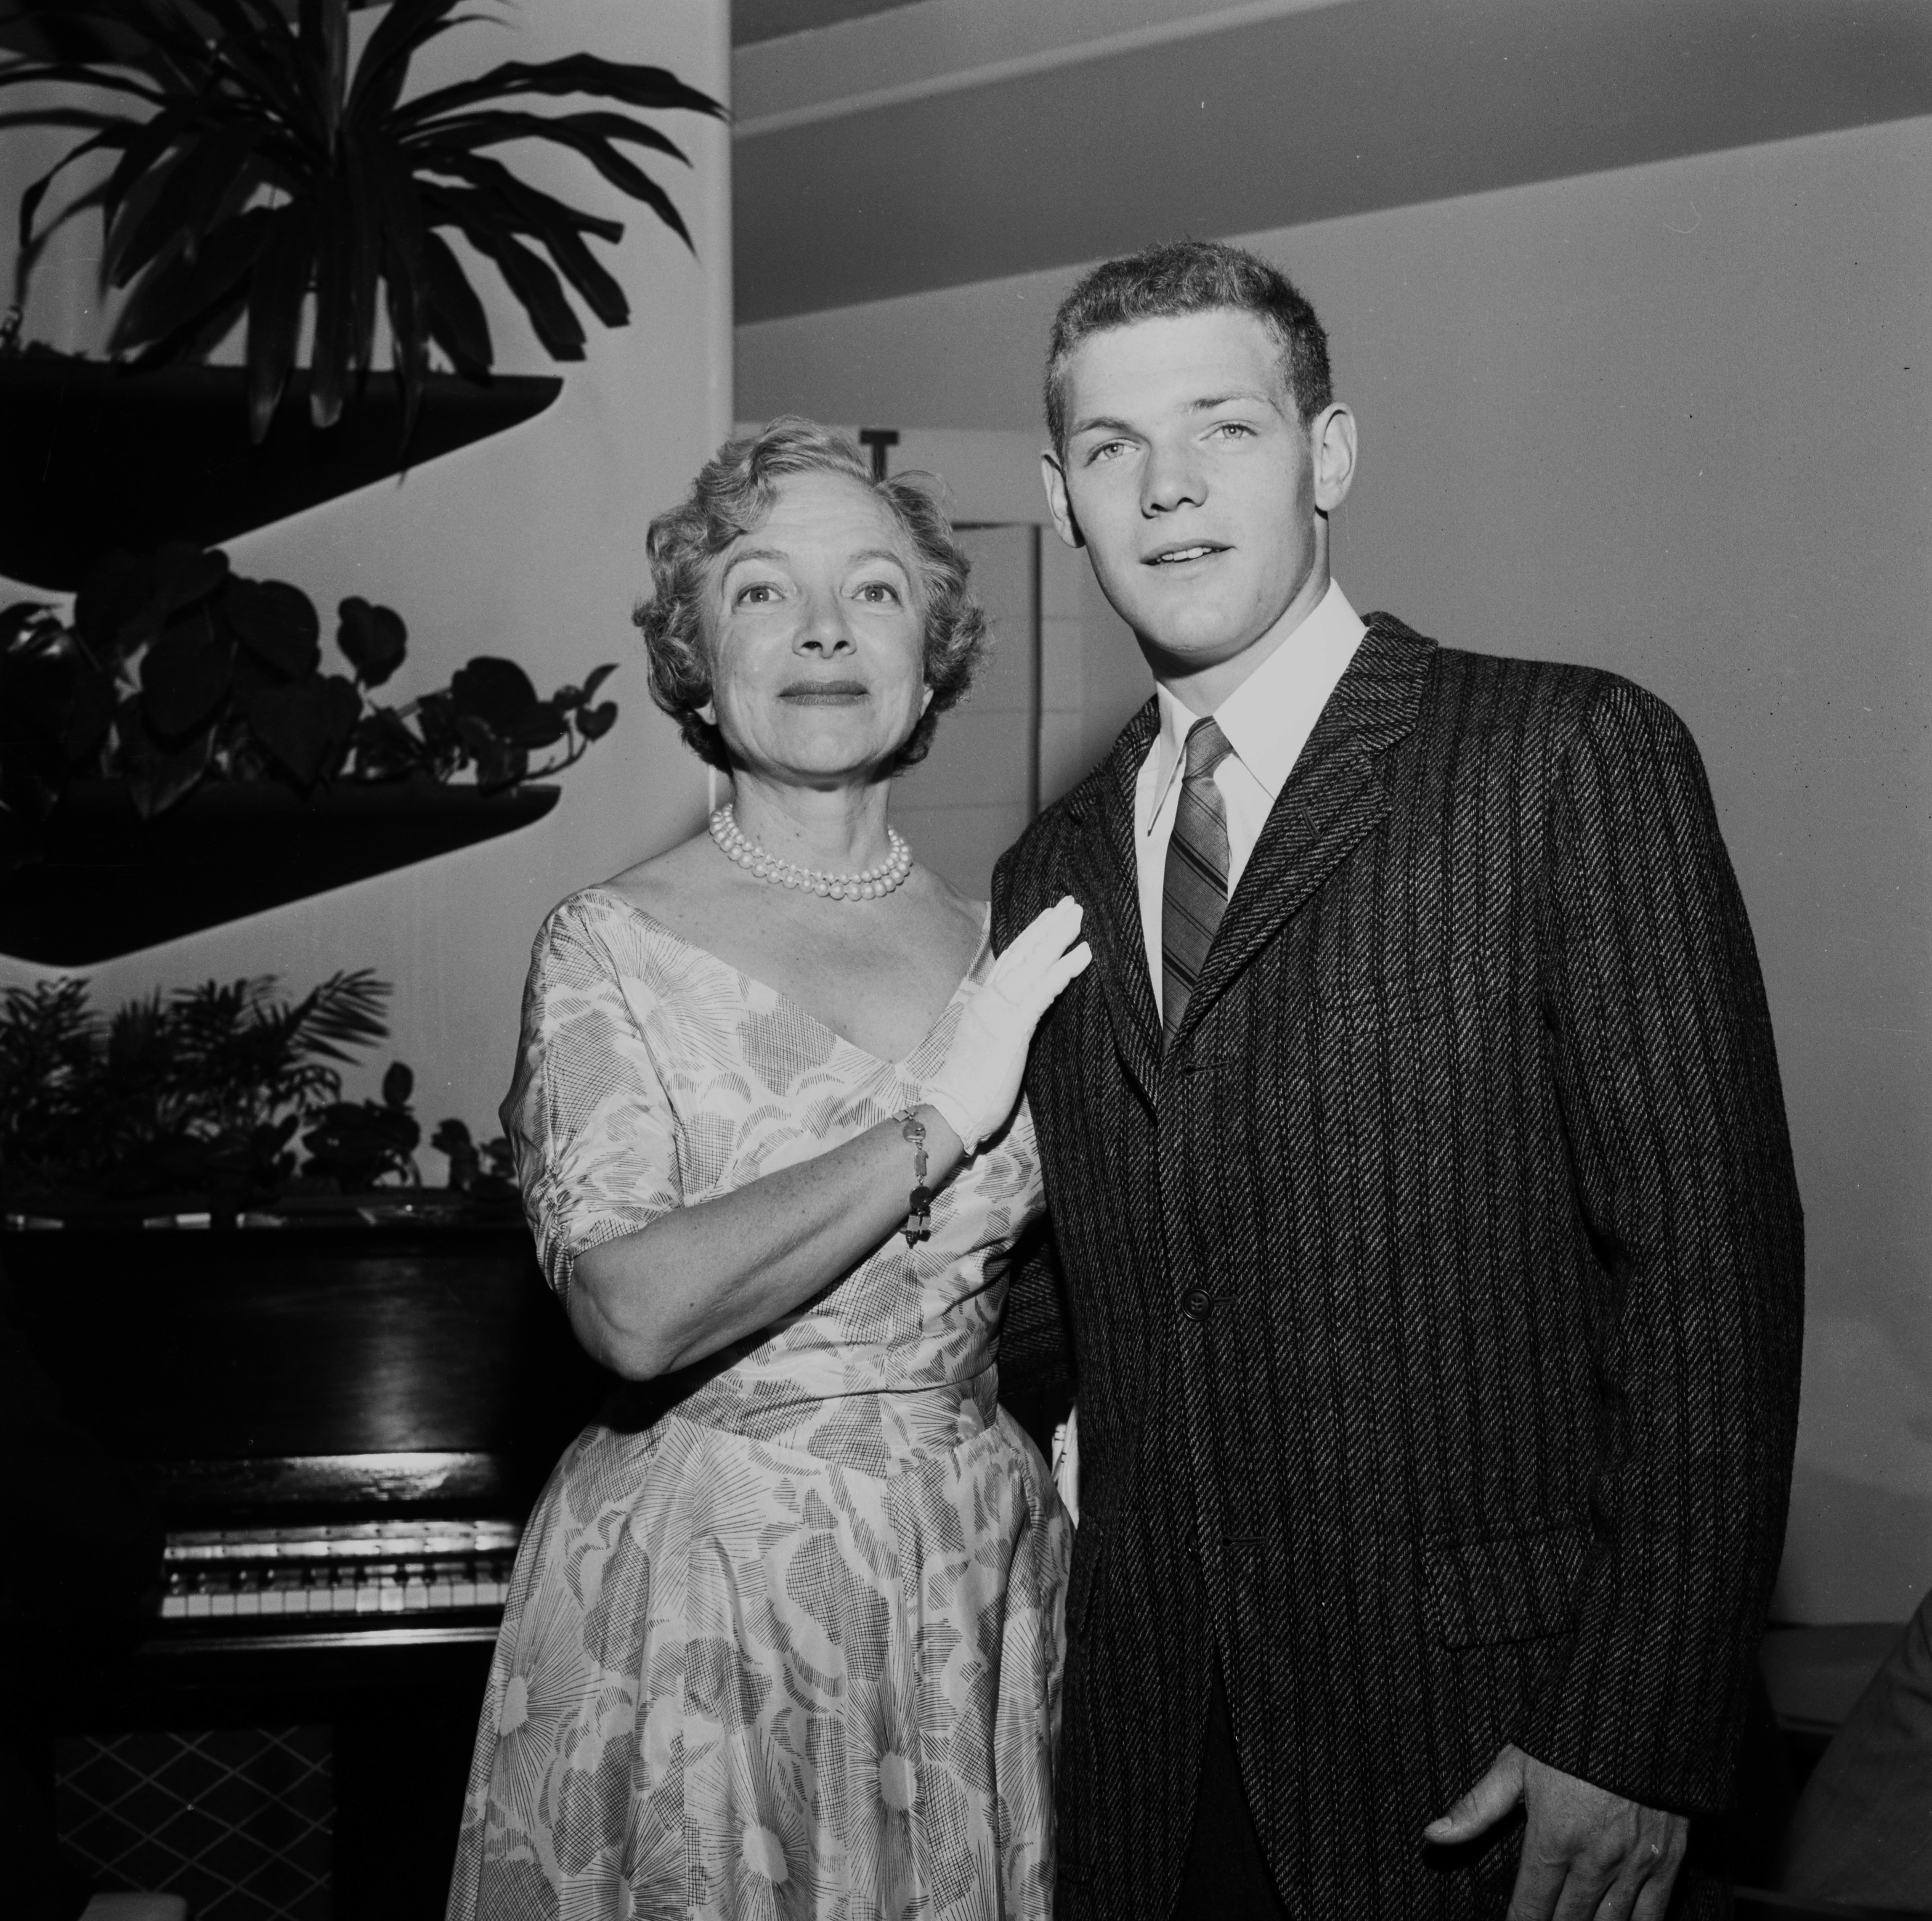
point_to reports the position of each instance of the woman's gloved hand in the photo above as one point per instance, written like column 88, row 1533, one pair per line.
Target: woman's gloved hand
column 978, row 1081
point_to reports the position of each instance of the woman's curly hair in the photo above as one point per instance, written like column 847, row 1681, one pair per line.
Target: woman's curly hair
column 733, row 493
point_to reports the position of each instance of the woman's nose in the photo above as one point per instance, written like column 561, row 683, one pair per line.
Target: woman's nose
column 823, row 632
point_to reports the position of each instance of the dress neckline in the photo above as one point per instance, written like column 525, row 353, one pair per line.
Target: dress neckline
column 898, row 1066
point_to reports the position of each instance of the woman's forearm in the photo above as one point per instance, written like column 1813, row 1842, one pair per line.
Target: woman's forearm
column 700, row 1278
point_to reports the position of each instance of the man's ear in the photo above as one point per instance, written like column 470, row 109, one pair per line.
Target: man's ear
column 1331, row 444
column 1053, row 477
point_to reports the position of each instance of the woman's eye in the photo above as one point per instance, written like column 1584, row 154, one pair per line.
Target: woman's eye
column 880, row 593
column 759, row 594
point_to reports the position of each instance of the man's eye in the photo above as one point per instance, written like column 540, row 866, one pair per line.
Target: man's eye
column 1234, row 430
column 1106, row 451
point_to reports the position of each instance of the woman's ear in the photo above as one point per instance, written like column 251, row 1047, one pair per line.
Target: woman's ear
column 924, row 701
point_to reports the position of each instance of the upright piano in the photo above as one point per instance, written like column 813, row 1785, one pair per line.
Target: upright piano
column 345, row 1429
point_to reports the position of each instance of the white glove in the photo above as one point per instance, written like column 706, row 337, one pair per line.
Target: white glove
column 978, row 1083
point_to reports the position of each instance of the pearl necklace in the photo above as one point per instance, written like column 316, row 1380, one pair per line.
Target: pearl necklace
column 874, row 884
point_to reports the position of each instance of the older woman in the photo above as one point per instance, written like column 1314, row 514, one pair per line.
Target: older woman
column 784, row 1637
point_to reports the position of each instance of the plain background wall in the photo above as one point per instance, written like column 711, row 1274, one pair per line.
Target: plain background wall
column 1675, row 420
column 529, row 545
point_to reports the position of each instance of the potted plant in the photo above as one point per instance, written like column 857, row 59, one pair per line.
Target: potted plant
column 177, row 753
column 261, row 175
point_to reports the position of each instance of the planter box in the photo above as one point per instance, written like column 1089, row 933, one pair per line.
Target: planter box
column 97, row 458
column 112, row 881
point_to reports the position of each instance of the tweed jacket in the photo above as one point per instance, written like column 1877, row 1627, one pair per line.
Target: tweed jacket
column 1434, row 1296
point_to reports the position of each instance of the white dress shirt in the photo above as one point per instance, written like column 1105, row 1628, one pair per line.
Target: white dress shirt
column 1268, row 720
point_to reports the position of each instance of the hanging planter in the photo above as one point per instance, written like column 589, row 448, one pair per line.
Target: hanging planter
column 101, row 458
column 176, row 754
column 110, row 882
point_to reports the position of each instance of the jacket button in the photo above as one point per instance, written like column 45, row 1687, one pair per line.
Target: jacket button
column 1196, row 1303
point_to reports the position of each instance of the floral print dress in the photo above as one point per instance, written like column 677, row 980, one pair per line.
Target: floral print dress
column 791, row 1646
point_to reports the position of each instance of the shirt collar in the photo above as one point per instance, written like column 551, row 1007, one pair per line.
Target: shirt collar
column 1268, row 718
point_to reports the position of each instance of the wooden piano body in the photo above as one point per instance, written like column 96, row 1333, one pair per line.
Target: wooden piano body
column 345, row 1429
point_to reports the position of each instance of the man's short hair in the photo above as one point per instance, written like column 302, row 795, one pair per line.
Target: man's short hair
column 1190, row 277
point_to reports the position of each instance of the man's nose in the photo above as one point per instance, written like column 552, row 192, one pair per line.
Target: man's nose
column 823, row 632
column 1171, row 478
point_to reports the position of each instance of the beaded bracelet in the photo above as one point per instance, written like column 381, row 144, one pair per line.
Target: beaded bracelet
column 919, row 1205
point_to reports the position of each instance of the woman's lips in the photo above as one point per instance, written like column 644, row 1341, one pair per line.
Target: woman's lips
column 826, row 693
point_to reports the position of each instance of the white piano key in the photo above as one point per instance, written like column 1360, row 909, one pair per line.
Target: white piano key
column 221, row 1606
column 174, row 1606
column 464, row 1593
column 248, row 1602
column 442, row 1594
column 196, row 1606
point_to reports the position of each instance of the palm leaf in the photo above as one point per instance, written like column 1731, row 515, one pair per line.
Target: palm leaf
column 565, row 130
column 334, row 308
column 578, row 131
column 63, row 116
column 275, row 292
column 30, row 201
column 146, row 145
column 190, row 199
column 346, row 1011
column 452, row 314
column 650, row 87
column 535, row 286
column 259, row 51
column 391, row 186
column 323, row 39
column 181, row 301
column 558, row 227
column 408, row 26
column 95, row 78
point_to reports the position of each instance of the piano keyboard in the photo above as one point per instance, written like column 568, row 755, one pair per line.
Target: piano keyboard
column 382, row 1569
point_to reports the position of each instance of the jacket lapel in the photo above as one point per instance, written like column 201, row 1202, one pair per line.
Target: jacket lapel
column 1102, row 876
column 1332, row 799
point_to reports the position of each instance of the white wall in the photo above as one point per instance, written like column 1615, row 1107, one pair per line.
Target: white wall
column 529, row 545
column 1676, row 420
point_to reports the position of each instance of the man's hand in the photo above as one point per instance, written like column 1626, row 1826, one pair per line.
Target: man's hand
column 1587, row 1855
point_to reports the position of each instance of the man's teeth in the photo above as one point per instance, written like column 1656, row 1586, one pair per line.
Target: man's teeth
column 1181, row 553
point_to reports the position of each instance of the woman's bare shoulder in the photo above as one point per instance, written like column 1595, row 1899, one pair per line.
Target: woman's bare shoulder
column 676, row 888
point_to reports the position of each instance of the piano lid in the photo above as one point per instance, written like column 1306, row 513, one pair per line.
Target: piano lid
column 331, row 1366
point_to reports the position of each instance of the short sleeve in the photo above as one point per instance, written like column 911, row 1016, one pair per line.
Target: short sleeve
column 593, row 1132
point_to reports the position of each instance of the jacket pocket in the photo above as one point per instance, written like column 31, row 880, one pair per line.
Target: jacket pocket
column 1514, row 1584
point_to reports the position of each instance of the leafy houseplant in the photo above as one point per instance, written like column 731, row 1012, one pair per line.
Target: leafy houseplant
column 175, row 671
column 202, row 1100
column 257, row 166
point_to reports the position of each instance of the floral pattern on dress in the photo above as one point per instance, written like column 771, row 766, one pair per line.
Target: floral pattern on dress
column 793, row 1649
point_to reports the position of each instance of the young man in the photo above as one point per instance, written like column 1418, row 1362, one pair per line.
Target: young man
column 1418, row 1167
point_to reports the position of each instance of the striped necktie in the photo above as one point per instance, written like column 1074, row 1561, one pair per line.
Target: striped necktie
column 1195, row 890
